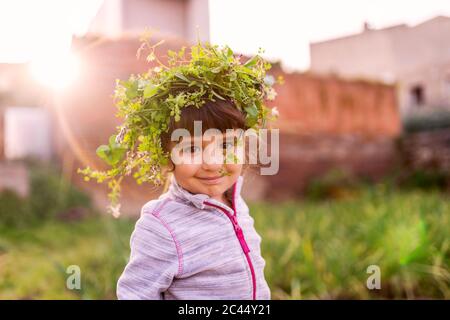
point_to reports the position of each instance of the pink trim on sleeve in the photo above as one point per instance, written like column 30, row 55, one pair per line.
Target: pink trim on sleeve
column 156, row 214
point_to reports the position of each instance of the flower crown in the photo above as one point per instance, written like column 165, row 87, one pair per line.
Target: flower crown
column 148, row 101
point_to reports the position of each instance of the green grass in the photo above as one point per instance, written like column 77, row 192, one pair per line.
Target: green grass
column 322, row 250
column 33, row 261
column 312, row 249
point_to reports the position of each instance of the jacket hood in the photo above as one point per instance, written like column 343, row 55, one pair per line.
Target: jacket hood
column 175, row 191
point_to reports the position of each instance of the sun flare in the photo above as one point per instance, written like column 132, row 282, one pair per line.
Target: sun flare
column 56, row 72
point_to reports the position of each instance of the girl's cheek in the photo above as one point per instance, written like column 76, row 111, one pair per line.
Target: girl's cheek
column 234, row 169
column 186, row 170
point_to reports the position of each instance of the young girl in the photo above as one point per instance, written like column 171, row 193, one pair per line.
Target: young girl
column 197, row 240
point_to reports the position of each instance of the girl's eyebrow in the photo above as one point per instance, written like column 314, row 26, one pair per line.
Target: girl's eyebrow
column 189, row 138
column 233, row 136
column 192, row 140
column 188, row 141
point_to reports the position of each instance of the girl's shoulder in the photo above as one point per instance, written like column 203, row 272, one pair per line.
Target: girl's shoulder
column 163, row 210
column 152, row 227
column 161, row 206
column 153, row 206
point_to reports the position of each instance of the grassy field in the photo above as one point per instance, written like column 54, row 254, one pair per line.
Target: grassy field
column 312, row 249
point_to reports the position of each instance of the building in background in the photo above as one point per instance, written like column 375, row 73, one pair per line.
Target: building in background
column 416, row 58
column 178, row 18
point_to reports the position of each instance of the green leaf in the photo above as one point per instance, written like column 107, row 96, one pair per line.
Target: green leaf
column 251, row 62
column 132, row 89
column 112, row 140
column 252, row 110
column 194, row 53
column 229, row 52
column 111, row 153
column 252, row 115
column 216, row 69
column 250, row 121
column 117, row 154
column 103, row 152
column 182, row 77
column 150, row 91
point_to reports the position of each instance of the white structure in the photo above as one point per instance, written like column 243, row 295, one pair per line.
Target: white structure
column 178, row 18
column 416, row 58
column 27, row 133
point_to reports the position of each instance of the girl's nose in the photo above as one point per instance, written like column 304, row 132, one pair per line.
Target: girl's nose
column 213, row 158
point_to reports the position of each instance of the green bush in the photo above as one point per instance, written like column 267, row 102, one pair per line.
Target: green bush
column 334, row 184
column 14, row 210
column 425, row 179
column 50, row 196
column 426, row 121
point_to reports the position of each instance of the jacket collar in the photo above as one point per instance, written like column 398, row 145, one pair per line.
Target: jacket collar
column 198, row 200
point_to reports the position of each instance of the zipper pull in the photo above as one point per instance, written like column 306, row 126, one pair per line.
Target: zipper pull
column 240, row 234
column 235, row 223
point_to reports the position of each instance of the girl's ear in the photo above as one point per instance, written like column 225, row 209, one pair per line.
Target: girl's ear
column 170, row 167
column 168, row 176
column 167, row 169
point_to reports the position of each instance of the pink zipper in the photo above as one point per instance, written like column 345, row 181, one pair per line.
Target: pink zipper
column 240, row 236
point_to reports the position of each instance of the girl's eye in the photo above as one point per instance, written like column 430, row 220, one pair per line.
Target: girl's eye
column 230, row 144
column 191, row 149
column 227, row 145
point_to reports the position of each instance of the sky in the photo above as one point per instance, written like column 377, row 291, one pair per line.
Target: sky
column 283, row 28
column 32, row 28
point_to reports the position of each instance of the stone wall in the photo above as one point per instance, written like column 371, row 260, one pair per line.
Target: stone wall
column 427, row 150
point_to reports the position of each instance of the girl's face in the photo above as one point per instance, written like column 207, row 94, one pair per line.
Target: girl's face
column 204, row 170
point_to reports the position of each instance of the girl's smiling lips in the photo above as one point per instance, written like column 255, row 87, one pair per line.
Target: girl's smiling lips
column 210, row 180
